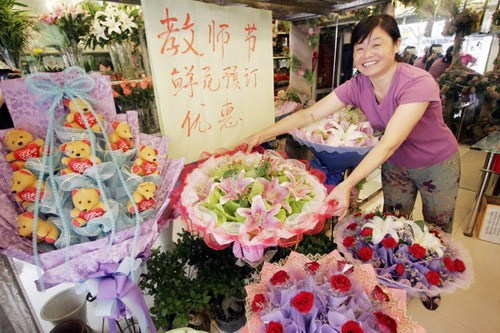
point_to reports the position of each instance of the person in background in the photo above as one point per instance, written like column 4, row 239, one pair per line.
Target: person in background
column 417, row 152
column 106, row 67
column 431, row 54
column 440, row 65
column 420, row 61
column 409, row 55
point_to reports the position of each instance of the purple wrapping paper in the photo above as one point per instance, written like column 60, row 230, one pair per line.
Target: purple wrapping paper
column 81, row 260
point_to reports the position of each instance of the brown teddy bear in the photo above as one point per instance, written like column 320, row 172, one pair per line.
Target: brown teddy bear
column 144, row 197
column 75, row 120
column 88, row 205
column 45, row 230
column 78, row 156
column 145, row 164
column 21, row 147
column 23, row 185
column 121, row 138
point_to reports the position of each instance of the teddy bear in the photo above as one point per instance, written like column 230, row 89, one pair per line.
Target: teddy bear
column 88, row 205
column 75, row 120
column 23, row 185
column 145, row 164
column 78, row 156
column 21, row 147
column 121, row 138
column 144, row 197
column 45, row 230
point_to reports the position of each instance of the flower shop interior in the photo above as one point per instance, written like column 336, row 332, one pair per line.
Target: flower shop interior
column 150, row 215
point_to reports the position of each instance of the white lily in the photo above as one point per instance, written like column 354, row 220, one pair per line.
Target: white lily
column 426, row 239
column 381, row 227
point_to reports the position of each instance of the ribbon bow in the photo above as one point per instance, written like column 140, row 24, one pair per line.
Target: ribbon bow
column 117, row 295
column 76, row 84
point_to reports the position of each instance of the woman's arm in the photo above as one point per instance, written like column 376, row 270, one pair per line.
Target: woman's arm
column 321, row 109
column 397, row 130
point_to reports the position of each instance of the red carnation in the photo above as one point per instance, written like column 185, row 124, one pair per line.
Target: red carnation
column 386, row 323
column 417, row 251
column 365, row 232
column 279, row 277
column 351, row 327
column 312, row 266
column 459, row 265
column 352, row 226
column 369, row 216
column 348, row 241
column 433, row 277
column 358, row 214
column 365, row 253
column 259, row 302
column 389, row 243
column 400, row 269
column 340, row 282
column 449, row 264
column 388, row 214
column 303, row 301
column 274, row 327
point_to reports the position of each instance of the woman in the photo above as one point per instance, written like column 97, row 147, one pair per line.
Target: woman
column 417, row 151
column 440, row 65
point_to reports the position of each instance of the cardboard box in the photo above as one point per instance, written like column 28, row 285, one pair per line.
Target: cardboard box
column 489, row 220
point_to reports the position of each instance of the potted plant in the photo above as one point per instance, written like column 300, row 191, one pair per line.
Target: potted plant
column 14, row 34
column 195, row 282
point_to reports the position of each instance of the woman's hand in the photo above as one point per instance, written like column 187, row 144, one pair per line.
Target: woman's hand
column 341, row 194
column 250, row 142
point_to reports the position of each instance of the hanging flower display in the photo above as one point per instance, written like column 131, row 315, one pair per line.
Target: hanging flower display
column 324, row 294
column 298, row 68
column 406, row 254
column 253, row 201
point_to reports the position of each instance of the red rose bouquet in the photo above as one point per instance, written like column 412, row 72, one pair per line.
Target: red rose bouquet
column 406, row 254
column 324, row 294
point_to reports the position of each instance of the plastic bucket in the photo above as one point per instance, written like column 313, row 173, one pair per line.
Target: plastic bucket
column 63, row 306
column 71, row 326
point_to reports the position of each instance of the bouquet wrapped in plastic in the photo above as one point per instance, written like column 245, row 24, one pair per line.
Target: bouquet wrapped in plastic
column 83, row 202
column 253, row 201
column 339, row 141
column 409, row 255
column 324, row 294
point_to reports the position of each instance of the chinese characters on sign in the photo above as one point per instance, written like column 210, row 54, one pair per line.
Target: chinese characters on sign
column 212, row 68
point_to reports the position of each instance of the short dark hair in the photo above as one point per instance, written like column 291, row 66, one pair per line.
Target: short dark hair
column 365, row 27
column 107, row 63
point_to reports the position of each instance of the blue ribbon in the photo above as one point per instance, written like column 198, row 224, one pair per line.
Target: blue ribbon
column 117, row 295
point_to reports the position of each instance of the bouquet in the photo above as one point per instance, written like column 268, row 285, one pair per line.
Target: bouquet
column 339, row 141
column 324, row 294
column 134, row 95
column 253, row 201
column 109, row 241
column 406, row 254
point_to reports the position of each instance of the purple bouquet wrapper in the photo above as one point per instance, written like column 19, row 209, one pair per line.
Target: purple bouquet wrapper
column 79, row 261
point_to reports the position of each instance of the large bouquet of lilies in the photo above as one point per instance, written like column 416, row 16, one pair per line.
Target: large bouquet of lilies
column 253, row 201
column 406, row 254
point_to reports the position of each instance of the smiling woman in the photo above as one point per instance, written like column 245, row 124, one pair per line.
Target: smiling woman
column 417, row 151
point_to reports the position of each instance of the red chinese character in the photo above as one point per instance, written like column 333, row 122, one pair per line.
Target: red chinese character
column 199, row 123
column 227, row 120
column 208, row 80
column 250, row 75
column 231, row 77
column 221, row 37
column 170, row 43
column 180, row 84
column 250, row 38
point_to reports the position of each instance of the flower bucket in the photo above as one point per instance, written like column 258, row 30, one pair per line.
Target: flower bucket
column 71, row 326
column 63, row 306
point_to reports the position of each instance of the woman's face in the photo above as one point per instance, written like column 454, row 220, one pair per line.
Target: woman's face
column 375, row 55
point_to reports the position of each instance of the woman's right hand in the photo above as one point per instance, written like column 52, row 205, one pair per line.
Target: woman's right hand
column 251, row 141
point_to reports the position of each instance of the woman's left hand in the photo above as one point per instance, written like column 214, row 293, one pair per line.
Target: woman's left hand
column 341, row 194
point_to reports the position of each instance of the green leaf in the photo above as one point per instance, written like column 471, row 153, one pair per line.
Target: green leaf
column 421, row 224
column 257, row 189
column 281, row 215
column 181, row 321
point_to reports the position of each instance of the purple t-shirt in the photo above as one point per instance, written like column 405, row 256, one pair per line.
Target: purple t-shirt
column 431, row 141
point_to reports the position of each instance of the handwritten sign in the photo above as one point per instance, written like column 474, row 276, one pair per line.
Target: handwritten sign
column 212, row 70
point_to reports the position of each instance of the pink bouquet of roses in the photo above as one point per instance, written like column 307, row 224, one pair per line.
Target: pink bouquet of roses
column 324, row 294
column 253, row 201
column 406, row 254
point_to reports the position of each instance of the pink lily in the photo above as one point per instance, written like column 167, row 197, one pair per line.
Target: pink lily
column 275, row 193
column 298, row 188
column 234, row 188
column 258, row 216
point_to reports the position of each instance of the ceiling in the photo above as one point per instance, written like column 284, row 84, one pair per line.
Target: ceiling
column 292, row 9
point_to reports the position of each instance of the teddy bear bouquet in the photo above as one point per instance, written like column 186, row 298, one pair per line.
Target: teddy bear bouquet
column 82, row 188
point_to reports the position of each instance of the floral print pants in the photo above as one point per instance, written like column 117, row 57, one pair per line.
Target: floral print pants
column 437, row 184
